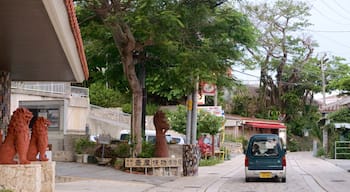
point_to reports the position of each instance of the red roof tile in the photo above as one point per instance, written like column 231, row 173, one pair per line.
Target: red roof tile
column 77, row 36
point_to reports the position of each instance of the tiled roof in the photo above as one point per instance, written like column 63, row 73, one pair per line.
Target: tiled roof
column 77, row 36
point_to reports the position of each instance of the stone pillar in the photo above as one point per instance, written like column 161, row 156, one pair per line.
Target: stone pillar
column 24, row 178
column 5, row 99
column 191, row 157
column 39, row 176
column 47, row 175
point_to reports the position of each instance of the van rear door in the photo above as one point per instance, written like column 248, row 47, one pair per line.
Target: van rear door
column 265, row 153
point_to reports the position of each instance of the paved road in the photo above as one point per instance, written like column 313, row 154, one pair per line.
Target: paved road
column 304, row 173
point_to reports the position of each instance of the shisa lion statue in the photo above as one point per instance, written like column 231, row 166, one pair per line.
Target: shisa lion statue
column 17, row 139
column 162, row 126
column 39, row 140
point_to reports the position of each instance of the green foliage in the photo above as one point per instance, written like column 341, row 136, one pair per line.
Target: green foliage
column 105, row 97
column 209, row 162
column 189, row 38
column 127, row 108
column 5, row 190
column 105, row 150
column 177, row 119
column 340, row 116
column 207, row 123
column 321, row 152
column 151, row 108
column 84, row 146
column 148, row 150
column 122, row 150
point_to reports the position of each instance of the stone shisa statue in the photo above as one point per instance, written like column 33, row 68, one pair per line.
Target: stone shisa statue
column 162, row 126
column 39, row 140
column 17, row 139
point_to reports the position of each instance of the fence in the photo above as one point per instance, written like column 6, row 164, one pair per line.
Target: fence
column 342, row 150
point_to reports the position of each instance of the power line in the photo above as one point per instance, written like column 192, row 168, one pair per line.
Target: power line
column 328, row 31
column 335, row 11
column 329, row 18
column 340, row 6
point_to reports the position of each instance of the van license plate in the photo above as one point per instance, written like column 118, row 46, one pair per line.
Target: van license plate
column 265, row 175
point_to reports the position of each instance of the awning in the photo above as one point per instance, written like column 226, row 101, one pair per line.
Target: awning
column 40, row 41
column 266, row 125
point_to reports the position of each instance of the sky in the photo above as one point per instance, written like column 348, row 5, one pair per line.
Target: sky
column 331, row 30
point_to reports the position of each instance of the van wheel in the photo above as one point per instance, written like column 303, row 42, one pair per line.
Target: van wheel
column 247, row 179
column 284, row 180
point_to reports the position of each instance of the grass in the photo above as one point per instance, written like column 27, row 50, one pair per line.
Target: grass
column 210, row 162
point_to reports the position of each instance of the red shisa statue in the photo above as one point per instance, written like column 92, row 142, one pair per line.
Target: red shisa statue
column 17, row 139
column 161, row 124
column 39, row 140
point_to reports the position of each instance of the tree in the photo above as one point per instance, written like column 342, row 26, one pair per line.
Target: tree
column 122, row 18
column 207, row 123
column 281, row 52
column 184, row 39
column 211, row 124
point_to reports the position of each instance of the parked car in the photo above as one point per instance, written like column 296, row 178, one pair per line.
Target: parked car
column 265, row 158
column 177, row 140
column 150, row 136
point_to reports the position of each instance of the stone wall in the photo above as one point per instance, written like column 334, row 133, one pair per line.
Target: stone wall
column 34, row 177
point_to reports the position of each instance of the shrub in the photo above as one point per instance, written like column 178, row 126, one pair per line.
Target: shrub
column 5, row 190
column 107, row 151
column 122, row 150
column 210, row 161
column 84, row 145
column 148, row 150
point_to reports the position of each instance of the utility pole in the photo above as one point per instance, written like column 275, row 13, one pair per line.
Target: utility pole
column 324, row 130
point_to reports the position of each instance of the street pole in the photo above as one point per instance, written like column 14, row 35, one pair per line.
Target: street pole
column 189, row 115
column 194, row 114
column 324, row 130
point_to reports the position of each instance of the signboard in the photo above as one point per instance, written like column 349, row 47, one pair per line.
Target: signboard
column 215, row 110
column 153, row 162
column 104, row 139
column 208, row 89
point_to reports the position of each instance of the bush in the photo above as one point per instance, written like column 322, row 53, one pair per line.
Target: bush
column 321, row 152
column 5, row 190
column 84, row 145
column 148, row 150
column 210, row 161
column 107, row 151
column 122, row 150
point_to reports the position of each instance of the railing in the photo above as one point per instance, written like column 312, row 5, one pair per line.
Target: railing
column 61, row 88
column 342, row 150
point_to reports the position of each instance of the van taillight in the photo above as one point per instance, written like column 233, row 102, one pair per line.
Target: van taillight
column 246, row 161
column 284, row 161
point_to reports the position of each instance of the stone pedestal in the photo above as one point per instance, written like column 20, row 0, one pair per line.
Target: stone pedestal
column 34, row 177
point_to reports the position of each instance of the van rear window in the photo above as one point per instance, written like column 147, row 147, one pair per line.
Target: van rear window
column 265, row 147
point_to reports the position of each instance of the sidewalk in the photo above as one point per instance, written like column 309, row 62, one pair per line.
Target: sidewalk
column 76, row 177
column 342, row 163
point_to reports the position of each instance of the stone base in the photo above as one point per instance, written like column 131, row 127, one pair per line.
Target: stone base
column 35, row 177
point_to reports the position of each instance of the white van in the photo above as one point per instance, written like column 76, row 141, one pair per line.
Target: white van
column 150, row 136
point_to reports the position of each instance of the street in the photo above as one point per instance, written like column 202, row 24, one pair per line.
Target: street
column 304, row 173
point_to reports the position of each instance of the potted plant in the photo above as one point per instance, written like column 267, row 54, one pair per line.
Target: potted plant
column 83, row 147
column 121, row 152
column 104, row 154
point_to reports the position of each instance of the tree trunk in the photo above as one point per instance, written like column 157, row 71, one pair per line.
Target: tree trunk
column 126, row 45
column 212, row 146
